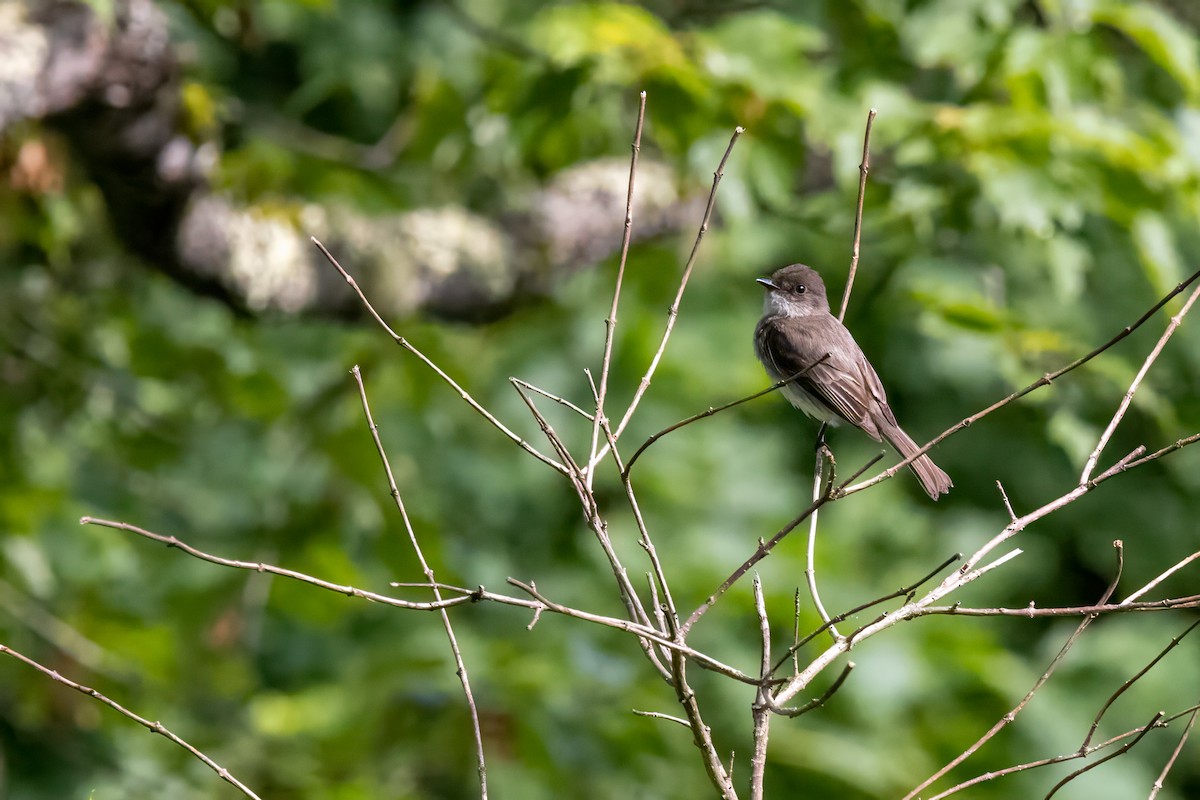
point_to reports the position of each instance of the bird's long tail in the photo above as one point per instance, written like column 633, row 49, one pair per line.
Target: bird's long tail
column 933, row 479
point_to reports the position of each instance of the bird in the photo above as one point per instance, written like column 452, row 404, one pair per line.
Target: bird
column 796, row 332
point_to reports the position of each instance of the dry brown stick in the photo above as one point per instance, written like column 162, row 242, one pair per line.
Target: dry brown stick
column 823, row 452
column 591, row 510
column 667, row 717
column 424, row 359
column 610, row 324
column 810, row 546
column 1045, row 380
column 1087, row 740
column 761, row 552
column 965, row 574
column 1044, row 762
column 1032, row 612
column 816, row 702
column 673, row 311
column 153, row 727
column 1120, row 751
column 258, row 566
column 1162, row 577
column 702, row 659
column 459, row 664
column 1161, row 780
column 903, row 591
column 863, row 168
column 764, row 549
column 551, row 396
column 760, row 709
column 1011, row 716
column 1123, row 407
column 710, row 411
column 478, row 595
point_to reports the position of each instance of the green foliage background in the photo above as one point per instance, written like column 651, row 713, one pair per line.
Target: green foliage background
column 1035, row 187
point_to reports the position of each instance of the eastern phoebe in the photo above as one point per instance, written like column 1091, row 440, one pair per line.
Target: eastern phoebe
column 796, row 331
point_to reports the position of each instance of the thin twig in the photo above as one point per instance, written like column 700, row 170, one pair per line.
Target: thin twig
column 1166, row 770
column 1153, row 723
column 810, row 550
column 816, row 702
column 1012, row 516
column 665, row 612
column 794, row 650
column 1011, row 716
column 1087, row 740
column 407, row 345
column 552, row 396
column 459, row 665
column 153, row 727
column 1032, row 612
column 610, row 324
column 710, row 411
column 258, row 566
column 863, row 168
column 1161, row 577
column 702, row 659
column 477, row 596
column 760, row 710
column 596, row 522
column 903, row 591
column 667, row 717
column 1123, row 407
column 673, row 311
column 1043, row 762
column 1045, row 380
column 762, row 551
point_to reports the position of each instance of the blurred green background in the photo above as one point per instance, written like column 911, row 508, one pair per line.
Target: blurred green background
column 1035, row 187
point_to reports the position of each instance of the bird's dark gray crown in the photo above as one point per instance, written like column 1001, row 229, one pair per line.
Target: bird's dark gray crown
column 798, row 279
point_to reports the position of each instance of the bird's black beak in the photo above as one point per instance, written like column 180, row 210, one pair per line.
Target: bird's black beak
column 767, row 282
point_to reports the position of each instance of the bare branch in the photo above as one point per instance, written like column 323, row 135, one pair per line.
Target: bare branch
column 258, row 566
column 463, row 393
column 903, row 591
column 761, row 552
column 1087, row 740
column 673, row 312
column 153, row 727
column 710, row 411
column 816, row 702
column 1008, row 718
column 702, row 660
column 597, row 524
column 460, row 665
column 863, row 168
column 477, row 596
column 1043, row 762
column 1160, row 578
column 1045, row 380
column 810, row 554
column 1090, row 465
column 1125, row 748
column 760, row 710
column 667, row 717
column 1166, row 770
column 552, row 396
column 610, row 324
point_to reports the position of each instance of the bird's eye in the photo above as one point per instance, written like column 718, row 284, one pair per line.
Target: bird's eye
column 801, row 288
